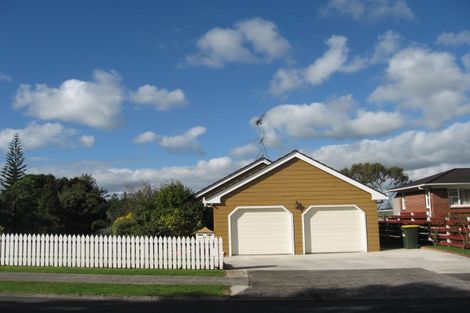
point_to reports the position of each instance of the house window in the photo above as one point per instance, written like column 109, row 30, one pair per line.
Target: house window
column 459, row 197
column 403, row 203
column 428, row 199
column 465, row 196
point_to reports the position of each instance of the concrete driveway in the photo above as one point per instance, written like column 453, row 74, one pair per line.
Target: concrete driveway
column 439, row 262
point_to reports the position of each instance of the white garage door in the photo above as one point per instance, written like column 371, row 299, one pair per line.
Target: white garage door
column 261, row 231
column 334, row 229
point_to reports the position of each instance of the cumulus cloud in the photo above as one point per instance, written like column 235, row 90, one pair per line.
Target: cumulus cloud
column 368, row 10
column 248, row 41
column 337, row 118
column 411, row 150
column 119, row 179
column 184, row 143
column 95, row 103
column 428, row 82
column 249, row 150
column 35, row 136
column 466, row 61
column 87, row 140
column 160, row 98
column 387, row 45
column 146, row 137
column 5, row 78
column 334, row 60
column 454, row 39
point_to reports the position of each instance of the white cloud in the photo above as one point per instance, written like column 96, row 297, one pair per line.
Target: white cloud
column 162, row 99
column 410, row 150
column 118, row 179
column 368, row 10
column 337, row 118
column 184, row 143
column 5, row 78
column 334, row 60
column 95, row 103
column 87, row 140
column 430, row 83
column 466, row 61
column 248, row 41
column 249, row 150
column 146, row 137
column 264, row 37
column 454, row 39
column 387, row 44
column 35, row 136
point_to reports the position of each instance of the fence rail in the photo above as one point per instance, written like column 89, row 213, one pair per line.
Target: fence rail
column 111, row 251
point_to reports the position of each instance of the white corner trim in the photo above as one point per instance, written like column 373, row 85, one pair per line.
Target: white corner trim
column 217, row 198
column 230, row 177
column 364, row 222
column 229, row 220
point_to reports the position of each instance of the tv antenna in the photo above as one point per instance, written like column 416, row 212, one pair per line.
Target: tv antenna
column 262, row 152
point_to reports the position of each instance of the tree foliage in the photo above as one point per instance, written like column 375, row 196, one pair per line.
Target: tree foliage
column 45, row 204
column 171, row 210
column 376, row 175
column 14, row 168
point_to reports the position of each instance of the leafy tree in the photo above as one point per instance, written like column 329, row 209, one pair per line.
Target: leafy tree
column 83, row 205
column 14, row 167
column 45, row 204
column 376, row 175
column 170, row 211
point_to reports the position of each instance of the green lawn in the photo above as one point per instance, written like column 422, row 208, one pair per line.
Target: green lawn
column 115, row 271
column 451, row 249
column 98, row 289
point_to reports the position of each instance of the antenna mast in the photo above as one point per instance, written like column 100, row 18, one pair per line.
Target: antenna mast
column 262, row 152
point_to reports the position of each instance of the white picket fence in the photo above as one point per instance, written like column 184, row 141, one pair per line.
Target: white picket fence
column 111, row 251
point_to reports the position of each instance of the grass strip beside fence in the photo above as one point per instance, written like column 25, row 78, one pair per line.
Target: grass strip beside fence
column 459, row 251
column 101, row 289
column 111, row 271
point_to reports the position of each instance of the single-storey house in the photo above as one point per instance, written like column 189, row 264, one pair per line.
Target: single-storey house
column 438, row 194
column 294, row 205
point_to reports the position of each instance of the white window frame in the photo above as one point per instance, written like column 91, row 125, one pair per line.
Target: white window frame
column 428, row 199
column 403, row 202
column 459, row 198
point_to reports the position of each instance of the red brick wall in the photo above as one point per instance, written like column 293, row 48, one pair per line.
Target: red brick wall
column 415, row 201
column 439, row 203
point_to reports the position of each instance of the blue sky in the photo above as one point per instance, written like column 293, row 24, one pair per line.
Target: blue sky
column 148, row 91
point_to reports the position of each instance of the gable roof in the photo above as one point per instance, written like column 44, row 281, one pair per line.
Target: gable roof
column 217, row 198
column 455, row 176
column 231, row 176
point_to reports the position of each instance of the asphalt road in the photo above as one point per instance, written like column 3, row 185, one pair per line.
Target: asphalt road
column 441, row 305
column 355, row 284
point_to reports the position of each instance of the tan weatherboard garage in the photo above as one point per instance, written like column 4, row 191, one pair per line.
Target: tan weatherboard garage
column 298, row 184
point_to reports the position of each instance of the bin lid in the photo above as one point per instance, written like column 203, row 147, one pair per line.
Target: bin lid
column 410, row 226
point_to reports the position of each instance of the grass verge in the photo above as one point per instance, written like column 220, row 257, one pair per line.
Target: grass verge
column 464, row 252
column 98, row 289
column 111, row 271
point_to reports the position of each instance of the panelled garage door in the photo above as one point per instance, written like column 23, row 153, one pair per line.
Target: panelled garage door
column 262, row 230
column 334, row 229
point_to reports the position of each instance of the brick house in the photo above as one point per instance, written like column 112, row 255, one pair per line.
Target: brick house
column 438, row 194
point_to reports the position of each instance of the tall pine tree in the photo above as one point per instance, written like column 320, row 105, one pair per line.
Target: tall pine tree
column 14, row 167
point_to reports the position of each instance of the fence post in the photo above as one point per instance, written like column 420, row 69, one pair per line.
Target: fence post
column 221, row 253
column 160, row 252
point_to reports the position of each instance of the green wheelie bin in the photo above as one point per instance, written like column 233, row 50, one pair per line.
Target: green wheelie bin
column 410, row 236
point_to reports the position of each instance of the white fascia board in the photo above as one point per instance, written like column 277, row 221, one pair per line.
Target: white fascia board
column 421, row 186
column 230, row 177
column 375, row 195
